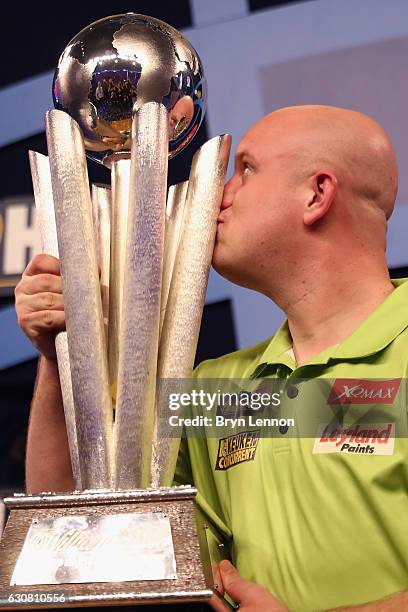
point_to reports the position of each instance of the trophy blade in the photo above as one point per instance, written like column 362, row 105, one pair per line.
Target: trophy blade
column 140, row 321
column 101, row 207
column 176, row 200
column 41, row 177
column 120, row 205
column 178, row 342
column 82, row 299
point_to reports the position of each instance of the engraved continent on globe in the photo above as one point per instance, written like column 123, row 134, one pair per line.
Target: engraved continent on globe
column 117, row 64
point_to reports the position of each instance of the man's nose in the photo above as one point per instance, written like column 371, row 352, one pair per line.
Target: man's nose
column 229, row 191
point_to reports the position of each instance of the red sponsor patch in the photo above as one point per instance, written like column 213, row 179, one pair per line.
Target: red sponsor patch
column 361, row 439
column 359, row 391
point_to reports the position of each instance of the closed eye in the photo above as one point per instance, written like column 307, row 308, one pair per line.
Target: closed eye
column 243, row 163
column 247, row 168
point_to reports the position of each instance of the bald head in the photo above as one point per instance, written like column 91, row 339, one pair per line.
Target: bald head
column 351, row 145
column 312, row 184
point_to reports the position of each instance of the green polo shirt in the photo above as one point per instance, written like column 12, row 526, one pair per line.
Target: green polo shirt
column 320, row 524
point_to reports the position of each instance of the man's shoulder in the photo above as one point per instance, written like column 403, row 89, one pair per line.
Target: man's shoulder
column 238, row 364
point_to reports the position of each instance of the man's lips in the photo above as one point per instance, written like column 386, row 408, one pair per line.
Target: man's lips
column 221, row 216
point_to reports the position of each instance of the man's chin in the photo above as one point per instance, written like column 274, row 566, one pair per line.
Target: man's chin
column 218, row 261
column 228, row 270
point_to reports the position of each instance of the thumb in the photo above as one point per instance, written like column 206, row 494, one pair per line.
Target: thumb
column 234, row 584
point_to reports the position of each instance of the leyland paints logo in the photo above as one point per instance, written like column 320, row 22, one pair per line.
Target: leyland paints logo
column 358, row 391
column 367, row 439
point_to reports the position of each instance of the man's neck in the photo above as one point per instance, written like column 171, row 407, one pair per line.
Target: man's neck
column 328, row 312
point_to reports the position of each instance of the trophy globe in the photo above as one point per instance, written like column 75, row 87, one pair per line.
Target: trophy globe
column 114, row 66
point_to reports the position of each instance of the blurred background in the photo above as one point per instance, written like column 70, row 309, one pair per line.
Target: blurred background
column 258, row 55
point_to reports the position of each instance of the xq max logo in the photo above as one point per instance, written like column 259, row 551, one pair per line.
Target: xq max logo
column 358, row 391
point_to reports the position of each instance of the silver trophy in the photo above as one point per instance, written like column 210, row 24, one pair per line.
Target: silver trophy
column 130, row 93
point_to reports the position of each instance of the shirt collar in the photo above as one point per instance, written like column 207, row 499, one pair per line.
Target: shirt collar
column 381, row 327
column 378, row 330
column 276, row 352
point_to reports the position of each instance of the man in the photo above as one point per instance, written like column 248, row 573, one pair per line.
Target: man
column 303, row 220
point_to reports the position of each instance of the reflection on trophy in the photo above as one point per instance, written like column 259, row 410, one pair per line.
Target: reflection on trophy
column 130, row 90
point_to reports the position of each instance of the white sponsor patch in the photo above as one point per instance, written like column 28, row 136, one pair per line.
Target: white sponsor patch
column 362, row 439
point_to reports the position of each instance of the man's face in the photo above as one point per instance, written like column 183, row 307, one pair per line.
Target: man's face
column 257, row 211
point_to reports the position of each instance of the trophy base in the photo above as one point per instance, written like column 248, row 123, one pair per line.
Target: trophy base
column 108, row 548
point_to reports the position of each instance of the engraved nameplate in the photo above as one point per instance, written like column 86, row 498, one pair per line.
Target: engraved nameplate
column 112, row 548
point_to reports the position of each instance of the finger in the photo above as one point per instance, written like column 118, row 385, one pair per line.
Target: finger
column 234, row 584
column 43, row 263
column 217, row 578
column 37, row 323
column 42, row 301
column 217, row 603
column 40, row 283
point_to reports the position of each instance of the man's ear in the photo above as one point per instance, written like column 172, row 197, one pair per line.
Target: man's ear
column 324, row 189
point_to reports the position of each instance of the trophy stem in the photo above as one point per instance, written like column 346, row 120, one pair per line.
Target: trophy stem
column 101, row 206
column 120, row 204
column 82, row 299
column 140, row 321
column 176, row 200
column 40, row 172
column 185, row 304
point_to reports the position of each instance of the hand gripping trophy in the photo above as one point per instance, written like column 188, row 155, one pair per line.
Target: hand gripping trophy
column 130, row 90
